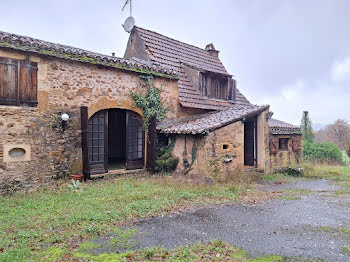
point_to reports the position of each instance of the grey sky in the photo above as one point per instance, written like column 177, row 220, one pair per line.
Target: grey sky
column 291, row 54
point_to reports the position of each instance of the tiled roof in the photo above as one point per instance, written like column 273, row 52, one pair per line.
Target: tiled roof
column 28, row 44
column 171, row 53
column 278, row 127
column 201, row 124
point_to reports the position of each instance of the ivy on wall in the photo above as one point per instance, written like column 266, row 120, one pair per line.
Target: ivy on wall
column 150, row 103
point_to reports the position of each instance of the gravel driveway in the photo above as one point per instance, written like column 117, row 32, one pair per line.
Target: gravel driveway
column 311, row 225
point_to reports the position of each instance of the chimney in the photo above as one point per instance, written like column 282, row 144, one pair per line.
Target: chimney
column 212, row 51
column 113, row 54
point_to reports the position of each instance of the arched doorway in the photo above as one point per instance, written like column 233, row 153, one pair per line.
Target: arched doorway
column 116, row 140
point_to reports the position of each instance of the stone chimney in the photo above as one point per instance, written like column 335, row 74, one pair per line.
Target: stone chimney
column 212, row 51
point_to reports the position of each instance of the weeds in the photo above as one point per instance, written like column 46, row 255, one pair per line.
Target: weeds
column 31, row 223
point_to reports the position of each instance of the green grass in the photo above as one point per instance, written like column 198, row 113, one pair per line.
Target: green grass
column 34, row 225
column 212, row 251
column 339, row 232
column 278, row 178
column 335, row 173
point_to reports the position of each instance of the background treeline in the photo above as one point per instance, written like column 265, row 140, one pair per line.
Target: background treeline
column 328, row 145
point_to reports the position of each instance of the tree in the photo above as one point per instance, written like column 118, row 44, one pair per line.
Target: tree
column 306, row 127
column 337, row 133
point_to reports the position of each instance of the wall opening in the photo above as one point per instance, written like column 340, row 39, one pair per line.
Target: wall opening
column 116, row 141
column 17, row 152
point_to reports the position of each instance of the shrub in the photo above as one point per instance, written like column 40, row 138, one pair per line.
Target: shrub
column 322, row 152
column 165, row 161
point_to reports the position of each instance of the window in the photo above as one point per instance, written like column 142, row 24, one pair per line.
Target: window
column 18, row 82
column 213, row 86
column 283, row 143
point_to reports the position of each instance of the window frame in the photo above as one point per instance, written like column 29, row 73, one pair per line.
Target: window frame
column 214, row 86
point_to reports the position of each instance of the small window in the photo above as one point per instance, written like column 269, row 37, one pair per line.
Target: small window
column 214, row 86
column 283, row 143
column 18, row 82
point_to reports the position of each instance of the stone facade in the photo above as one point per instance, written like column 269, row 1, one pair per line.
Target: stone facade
column 63, row 87
column 283, row 158
column 220, row 151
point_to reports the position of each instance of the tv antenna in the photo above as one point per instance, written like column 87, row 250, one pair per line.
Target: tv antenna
column 130, row 21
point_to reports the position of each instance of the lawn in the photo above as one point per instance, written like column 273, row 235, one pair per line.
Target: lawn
column 212, row 251
column 32, row 224
column 51, row 224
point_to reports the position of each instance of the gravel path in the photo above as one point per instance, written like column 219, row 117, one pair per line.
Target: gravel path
column 282, row 227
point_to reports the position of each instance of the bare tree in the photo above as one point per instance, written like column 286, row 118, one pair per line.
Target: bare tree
column 338, row 133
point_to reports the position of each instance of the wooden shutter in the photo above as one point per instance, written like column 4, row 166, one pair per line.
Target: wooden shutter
column 296, row 144
column 28, row 83
column 84, row 118
column 151, row 144
column 231, row 90
column 274, row 145
column 8, row 81
column 203, row 84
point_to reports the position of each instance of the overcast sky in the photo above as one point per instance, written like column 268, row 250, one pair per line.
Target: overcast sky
column 291, row 54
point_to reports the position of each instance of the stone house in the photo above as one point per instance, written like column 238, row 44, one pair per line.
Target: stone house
column 218, row 130
column 214, row 126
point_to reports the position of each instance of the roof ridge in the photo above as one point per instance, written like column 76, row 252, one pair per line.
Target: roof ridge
column 34, row 45
column 170, row 38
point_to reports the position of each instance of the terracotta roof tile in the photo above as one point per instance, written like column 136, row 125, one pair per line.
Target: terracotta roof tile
column 172, row 54
column 278, row 127
column 200, row 124
column 28, row 44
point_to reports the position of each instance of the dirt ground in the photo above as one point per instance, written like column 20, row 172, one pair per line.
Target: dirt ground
column 311, row 221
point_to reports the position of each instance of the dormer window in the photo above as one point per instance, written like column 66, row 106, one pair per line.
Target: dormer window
column 216, row 86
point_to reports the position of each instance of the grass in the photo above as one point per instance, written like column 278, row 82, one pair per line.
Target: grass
column 212, row 251
column 340, row 232
column 35, row 225
column 335, row 173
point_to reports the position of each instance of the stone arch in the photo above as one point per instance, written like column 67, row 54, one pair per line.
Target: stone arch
column 105, row 103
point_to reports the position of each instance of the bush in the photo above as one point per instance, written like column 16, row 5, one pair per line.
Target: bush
column 323, row 152
column 165, row 161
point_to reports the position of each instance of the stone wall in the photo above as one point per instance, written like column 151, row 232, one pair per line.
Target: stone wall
column 284, row 158
column 219, row 152
column 63, row 87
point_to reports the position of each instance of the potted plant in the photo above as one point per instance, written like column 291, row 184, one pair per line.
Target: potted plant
column 75, row 173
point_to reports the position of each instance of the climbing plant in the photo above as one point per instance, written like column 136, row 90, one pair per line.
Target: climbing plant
column 150, row 103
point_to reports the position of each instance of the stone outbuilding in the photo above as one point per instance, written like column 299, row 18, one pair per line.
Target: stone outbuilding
column 213, row 126
column 217, row 120
column 285, row 145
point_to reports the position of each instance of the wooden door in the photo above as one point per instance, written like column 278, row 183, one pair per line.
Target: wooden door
column 135, row 138
column 84, row 119
column 250, row 137
column 151, row 144
column 98, row 142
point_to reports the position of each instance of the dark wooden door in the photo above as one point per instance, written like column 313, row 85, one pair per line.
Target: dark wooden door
column 135, row 138
column 250, row 142
column 84, row 119
column 151, row 144
column 98, row 142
